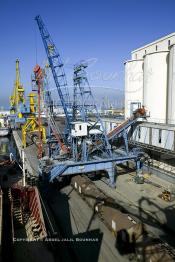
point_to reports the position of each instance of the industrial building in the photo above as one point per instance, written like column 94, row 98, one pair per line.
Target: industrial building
column 150, row 79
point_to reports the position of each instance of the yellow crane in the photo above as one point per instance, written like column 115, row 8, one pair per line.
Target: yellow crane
column 25, row 112
column 33, row 125
column 18, row 93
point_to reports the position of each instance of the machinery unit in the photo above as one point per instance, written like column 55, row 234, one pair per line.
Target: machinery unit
column 89, row 135
column 33, row 124
column 31, row 127
column 87, row 144
column 21, row 107
column 79, row 129
column 24, row 111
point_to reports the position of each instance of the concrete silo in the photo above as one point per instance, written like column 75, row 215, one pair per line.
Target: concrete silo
column 133, row 85
column 171, row 87
column 155, row 85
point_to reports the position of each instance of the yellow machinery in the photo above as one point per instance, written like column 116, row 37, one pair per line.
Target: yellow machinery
column 17, row 97
column 32, row 103
column 32, row 127
column 25, row 111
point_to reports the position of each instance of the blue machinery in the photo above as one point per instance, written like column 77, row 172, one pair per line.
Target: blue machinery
column 56, row 66
column 88, row 146
column 84, row 131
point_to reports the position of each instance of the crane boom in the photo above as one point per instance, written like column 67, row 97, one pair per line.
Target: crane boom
column 18, row 91
column 57, row 69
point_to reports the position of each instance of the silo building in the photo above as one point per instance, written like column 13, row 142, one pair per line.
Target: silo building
column 150, row 81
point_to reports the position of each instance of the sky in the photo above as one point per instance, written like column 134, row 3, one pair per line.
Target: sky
column 104, row 32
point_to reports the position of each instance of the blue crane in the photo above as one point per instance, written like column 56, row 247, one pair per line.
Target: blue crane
column 56, row 65
column 89, row 143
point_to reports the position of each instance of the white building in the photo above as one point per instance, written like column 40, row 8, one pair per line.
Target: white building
column 150, row 80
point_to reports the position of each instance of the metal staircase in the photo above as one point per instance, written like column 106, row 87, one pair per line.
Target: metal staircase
column 17, row 213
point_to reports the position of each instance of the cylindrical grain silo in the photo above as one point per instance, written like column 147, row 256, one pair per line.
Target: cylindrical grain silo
column 171, row 87
column 133, row 85
column 155, row 85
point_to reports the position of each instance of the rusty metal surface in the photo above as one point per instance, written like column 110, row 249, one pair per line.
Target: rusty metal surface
column 27, row 201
